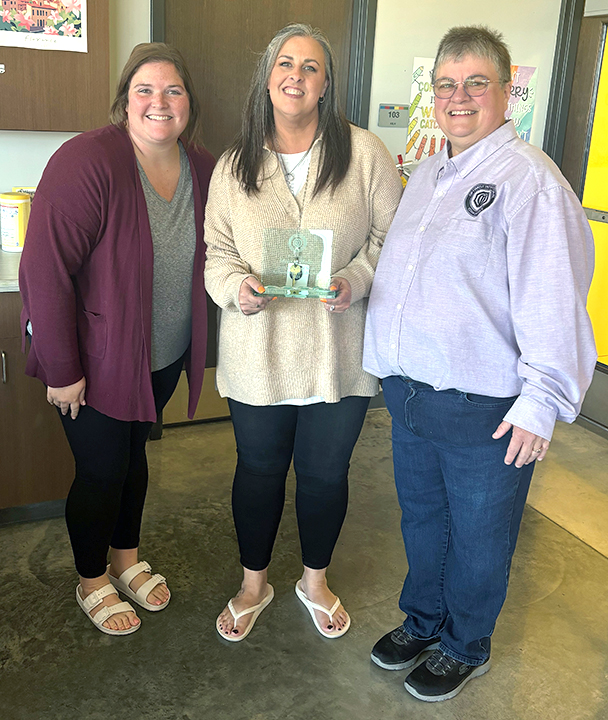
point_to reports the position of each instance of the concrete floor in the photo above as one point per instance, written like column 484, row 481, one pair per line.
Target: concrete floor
column 550, row 649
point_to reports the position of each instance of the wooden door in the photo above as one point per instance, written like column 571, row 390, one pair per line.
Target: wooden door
column 585, row 165
column 221, row 41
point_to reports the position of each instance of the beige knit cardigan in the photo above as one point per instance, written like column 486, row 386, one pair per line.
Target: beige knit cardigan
column 295, row 348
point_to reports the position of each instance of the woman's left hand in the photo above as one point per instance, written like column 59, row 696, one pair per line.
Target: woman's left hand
column 524, row 447
column 342, row 300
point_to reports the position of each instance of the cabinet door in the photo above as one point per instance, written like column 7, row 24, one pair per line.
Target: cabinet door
column 36, row 464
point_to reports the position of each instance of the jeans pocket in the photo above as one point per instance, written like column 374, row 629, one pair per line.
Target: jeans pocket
column 488, row 401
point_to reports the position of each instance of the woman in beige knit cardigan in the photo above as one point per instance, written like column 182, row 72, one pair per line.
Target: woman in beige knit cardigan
column 291, row 368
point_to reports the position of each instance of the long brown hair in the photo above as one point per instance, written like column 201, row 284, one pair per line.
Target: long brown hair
column 149, row 53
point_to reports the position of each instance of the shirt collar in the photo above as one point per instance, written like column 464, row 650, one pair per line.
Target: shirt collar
column 465, row 162
column 316, row 141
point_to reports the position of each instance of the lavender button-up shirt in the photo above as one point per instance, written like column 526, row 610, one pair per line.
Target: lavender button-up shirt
column 482, row 282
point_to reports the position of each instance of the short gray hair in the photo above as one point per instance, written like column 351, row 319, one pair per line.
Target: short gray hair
column 479, row 41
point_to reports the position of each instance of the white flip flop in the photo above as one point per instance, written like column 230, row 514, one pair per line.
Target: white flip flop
column 254, row 611
column 312, row 606
column 90, row 602
column 140, row 597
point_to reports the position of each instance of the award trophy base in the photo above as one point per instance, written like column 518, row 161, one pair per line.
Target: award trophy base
column 296, row 263
column 296, row 292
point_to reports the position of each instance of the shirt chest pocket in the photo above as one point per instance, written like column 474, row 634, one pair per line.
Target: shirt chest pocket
column 465, row 247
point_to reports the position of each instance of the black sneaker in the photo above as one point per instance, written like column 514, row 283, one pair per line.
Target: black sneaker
column 398, row 650
column 441, row 677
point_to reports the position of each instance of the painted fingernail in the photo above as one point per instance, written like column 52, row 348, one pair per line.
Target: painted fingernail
column 323, row 300
column 261, row 288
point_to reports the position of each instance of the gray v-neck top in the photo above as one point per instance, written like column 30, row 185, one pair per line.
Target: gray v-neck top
column 174, row 239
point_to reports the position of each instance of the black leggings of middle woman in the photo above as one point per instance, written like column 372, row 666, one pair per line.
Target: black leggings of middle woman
column 320, row 438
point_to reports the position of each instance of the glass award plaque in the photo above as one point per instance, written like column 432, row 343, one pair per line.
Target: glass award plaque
column 297, row 263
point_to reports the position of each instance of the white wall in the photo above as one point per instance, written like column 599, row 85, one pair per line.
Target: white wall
column 406, row 29
column 129, row 26
column 25, row 154
column 596, row 7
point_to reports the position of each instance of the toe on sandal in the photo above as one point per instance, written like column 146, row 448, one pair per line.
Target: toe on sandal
column 90, row 602
column 254, row 611
column 141, row 596
column 312, row 606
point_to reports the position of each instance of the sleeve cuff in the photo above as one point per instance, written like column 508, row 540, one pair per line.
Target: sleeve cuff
column 237, row 288
column 359, row 289
column 530, row 415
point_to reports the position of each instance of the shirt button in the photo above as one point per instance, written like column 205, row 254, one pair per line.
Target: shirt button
column 393, row 346
column 422, row 228
column 440, row 193
column 410, row 267
column 399, row 306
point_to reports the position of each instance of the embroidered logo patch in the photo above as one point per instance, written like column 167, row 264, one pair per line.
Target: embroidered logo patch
column 479, row 198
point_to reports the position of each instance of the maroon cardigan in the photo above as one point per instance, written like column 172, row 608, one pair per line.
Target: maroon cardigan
column 86, row 276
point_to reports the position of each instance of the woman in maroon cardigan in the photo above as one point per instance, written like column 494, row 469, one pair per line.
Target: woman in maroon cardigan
column 112, row 285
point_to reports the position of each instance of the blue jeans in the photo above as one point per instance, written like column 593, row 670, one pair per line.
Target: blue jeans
column 461, row 510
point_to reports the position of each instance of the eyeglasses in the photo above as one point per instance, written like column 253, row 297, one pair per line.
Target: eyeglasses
column 474, row 86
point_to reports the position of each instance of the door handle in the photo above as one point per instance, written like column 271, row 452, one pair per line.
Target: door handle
column 597, row 215
column 4, row 380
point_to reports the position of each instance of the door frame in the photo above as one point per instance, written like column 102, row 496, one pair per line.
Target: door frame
column 593, row 413
column 362, row 38
column 568, row 30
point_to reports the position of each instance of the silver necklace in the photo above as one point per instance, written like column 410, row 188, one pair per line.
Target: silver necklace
column 289, row 175
column 297, row 242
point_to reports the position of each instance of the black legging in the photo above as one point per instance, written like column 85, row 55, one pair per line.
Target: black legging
column 321, row 438
column 106, row 501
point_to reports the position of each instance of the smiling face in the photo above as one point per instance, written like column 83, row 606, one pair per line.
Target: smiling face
column 467, row 120
column 158, row 107
column 298, row 80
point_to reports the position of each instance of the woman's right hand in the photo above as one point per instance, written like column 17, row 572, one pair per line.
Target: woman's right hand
column 70, row 397
column 251, row 304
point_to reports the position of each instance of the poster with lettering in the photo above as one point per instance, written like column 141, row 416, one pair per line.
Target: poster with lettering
column 424, row 137
column 44, row 24
column 522, row 100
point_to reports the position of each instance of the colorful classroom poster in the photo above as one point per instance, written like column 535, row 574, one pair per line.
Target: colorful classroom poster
column 44, row 24
column 523, row 98
column 424, row 138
